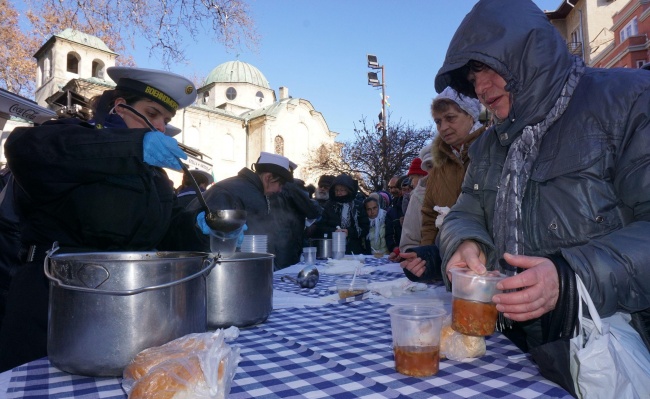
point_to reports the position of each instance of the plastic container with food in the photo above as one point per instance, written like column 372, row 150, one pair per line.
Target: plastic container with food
column 416, row 338
column 347, row 288
column 472, row 309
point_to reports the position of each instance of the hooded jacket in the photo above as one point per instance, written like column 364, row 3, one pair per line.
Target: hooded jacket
column 359, row 225
column 587, row 203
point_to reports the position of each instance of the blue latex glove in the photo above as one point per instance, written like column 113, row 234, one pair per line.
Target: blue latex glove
column 240, row 239
column 163, row 151
column 200, row 221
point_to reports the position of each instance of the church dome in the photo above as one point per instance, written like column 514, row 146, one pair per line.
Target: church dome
column 237, row 72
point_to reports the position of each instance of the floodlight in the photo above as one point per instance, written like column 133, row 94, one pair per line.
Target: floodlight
column 373, row 79
column 372, row 62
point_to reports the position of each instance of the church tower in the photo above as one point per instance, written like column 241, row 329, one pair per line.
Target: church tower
column 70, row 55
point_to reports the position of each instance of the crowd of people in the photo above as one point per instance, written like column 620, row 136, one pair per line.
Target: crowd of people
column 556, row 185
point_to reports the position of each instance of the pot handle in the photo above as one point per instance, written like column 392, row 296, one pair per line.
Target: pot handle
column 209, row 264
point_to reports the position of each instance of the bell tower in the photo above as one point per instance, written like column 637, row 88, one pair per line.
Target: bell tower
column 70, row 55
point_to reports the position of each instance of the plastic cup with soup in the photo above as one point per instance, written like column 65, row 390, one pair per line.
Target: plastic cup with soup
column 472, row 309
column 416, row 338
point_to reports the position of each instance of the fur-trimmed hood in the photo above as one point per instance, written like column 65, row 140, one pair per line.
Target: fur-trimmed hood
column 441, row 151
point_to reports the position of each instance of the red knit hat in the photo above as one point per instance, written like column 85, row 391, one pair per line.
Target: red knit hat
column 416, row 168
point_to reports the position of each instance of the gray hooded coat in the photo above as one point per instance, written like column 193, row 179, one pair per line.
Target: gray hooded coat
column 587, row 203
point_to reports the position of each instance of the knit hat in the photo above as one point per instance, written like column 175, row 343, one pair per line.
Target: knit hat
column 416, row 168
column 426, row 155
column 326, row 180
column 470, row 105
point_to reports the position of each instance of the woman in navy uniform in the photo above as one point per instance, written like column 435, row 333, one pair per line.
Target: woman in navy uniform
column 95, row 187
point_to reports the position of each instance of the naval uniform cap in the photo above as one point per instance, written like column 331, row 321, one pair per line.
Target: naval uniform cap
column 168, row 89
column 276, row 164
column 171, row 130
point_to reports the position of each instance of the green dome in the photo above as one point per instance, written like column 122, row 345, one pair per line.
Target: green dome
column 237, row 72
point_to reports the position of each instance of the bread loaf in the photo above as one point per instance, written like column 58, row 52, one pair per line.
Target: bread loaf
column 194, row 366
column 457, row 346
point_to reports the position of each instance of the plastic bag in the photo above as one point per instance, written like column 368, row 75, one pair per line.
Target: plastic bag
column 195, row 365
column 608, row 359
column 457, row 346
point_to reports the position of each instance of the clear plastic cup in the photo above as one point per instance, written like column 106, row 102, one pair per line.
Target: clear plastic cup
column 224, row 244
column 378, row 254
column 472, row 309
column 347, row 288
column 416, row 338
column 338, row 245
column 255, row 243
column 309, row 253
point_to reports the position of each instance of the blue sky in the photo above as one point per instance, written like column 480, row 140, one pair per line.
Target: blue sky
column 317, row 49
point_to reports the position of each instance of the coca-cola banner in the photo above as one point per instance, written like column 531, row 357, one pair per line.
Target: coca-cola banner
column 15, row 105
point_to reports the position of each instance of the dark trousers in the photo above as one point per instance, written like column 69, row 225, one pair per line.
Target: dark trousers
column 23, row 336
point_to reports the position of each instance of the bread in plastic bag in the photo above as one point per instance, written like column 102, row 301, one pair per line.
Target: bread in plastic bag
column 457, row 346
column 199, row 365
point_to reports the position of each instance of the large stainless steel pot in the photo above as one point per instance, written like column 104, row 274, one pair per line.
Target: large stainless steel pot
column 105, row 307
column 240, row 290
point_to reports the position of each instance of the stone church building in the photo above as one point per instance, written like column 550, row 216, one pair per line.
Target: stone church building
column 236, row 115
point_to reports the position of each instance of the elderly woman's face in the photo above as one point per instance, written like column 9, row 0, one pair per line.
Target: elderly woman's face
column 372, row 209
column 341, row 191
column 453, row 124
column 490, row 89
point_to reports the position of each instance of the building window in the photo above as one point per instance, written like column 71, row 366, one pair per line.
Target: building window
column 47, row 68
column 279, row 145
column 98, row 69
column 630, row 29
column 640, row 63
column 260, row 96
column 206, row 97
column 72, row 63
column 231, row 93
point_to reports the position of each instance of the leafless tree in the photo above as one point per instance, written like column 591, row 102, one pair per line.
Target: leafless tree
column 362, row 158
column 17, row 68
column 167, row 25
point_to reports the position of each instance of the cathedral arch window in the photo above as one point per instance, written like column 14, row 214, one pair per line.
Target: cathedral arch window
column 260, row 96
column 206, row 97
column 72, row 63
column 279, row 145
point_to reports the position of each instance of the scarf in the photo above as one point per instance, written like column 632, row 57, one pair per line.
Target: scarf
column 377, row 223
column 348, row 216
column 508, row 224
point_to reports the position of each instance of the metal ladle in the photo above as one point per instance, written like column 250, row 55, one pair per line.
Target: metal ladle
column 307, row 277
column 225, row 221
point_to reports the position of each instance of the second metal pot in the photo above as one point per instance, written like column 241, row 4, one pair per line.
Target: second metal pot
column 323, row 247
column 240, row 290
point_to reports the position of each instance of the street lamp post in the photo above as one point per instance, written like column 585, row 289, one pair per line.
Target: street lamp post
column 373, row 80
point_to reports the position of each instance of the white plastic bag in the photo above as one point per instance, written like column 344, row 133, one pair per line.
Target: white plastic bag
column 607, row 357
column 198, row 366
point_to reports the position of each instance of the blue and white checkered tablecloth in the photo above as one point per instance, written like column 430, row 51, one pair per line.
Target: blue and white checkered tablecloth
column 330, row 351
column 333, row 351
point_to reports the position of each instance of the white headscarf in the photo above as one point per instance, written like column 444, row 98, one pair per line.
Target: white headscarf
column 470, row 105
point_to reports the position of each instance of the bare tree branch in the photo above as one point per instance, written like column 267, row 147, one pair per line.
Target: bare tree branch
column 362, row 158
column 167, row 25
